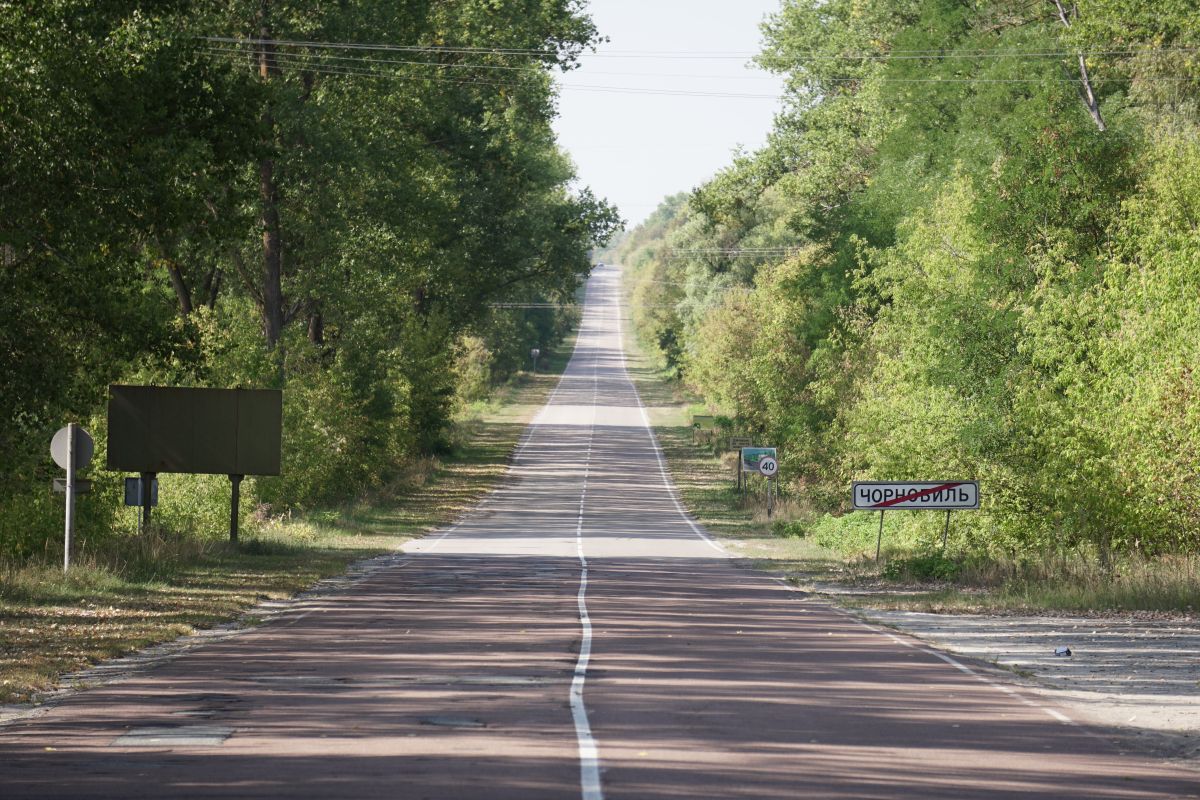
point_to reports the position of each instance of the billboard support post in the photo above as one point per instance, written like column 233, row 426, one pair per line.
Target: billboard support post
column 235, row 497
column 147, row 481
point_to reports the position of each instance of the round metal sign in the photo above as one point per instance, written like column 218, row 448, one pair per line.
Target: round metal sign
column 84, row 447
column 768, row 466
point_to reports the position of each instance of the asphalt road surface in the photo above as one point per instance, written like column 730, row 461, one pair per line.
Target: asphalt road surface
column 574, row 636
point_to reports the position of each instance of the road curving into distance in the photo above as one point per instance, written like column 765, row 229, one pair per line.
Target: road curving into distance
column 576, row 635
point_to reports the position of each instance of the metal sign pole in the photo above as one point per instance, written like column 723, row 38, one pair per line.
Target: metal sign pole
column 147, row 479
column 770, row 505
column 234, row 499
column 946, row 530
column 879, row 539
column 70, row 521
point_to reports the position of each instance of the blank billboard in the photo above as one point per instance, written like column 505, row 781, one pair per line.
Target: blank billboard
column 213, row 431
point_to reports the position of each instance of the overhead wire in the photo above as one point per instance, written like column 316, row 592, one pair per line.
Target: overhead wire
column 812, row 55
column 299, row 61
column 479, row 66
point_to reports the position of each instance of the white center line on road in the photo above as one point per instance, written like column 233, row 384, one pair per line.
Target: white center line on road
column 589, row 755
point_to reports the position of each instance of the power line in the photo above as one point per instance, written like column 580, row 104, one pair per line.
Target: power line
column 533, row 305
column 372, row 60
column 382, row 47
column 927, row 55
column 781, row 250
column 302, row 62
column 812, row 55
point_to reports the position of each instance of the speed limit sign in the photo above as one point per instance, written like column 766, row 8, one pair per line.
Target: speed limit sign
column 768, row 466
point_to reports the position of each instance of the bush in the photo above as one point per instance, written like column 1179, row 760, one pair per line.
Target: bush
column 928, row 567
column 472, row 369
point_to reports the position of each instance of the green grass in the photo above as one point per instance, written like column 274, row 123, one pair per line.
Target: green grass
column 912, row 580
column 151, row 588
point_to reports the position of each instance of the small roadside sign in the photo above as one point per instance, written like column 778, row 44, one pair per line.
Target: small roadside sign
column 133, row 491
column 82, row 486
column 83, row 448
column 751, row 456
column 918, row 495
column 768, row 466
column 72, row 449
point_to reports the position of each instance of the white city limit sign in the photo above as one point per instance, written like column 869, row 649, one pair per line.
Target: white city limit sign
column 929, row 495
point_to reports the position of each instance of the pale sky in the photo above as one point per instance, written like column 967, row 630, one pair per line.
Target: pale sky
column 636, row 147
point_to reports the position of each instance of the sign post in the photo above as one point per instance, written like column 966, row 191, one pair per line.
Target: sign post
column 768, row 467
column 71, row 448
column 235, row 497
column 146, row 482
column 533, row 357
column 879, row 538
column 945, row 496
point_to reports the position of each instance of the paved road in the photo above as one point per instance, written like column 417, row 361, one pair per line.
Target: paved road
column 575, row 636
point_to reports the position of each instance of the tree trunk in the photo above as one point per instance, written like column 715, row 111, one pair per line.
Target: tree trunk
column 181, row 288
column 1085, row 81
column 269, row 197
column 272, row 290
column 316, row 325
column 212, row 287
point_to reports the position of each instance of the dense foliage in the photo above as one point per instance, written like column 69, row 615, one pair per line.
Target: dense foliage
column 189, row 198
column 948, row 262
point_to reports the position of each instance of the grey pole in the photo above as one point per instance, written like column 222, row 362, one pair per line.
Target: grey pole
column 946, row 530
column 70, row 522
column 234, row 500
column 879, row 540
column 147, row 480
